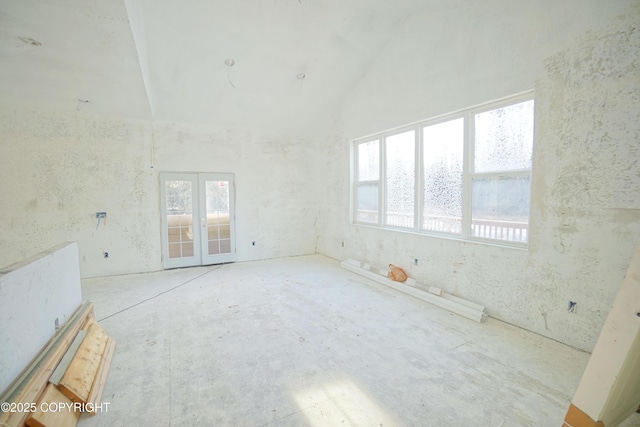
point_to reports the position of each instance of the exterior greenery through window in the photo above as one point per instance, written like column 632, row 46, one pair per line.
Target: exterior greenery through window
column 464, row 175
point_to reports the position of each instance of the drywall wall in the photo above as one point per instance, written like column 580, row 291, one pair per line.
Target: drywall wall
column 585, row 218
column 276, row 198
column 35, row 293
column 59, row 169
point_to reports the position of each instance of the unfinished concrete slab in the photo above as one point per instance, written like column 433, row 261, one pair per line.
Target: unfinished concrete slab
column 300, row 342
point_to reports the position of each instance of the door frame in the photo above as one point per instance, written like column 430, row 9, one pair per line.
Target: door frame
column 198, row 220
column 231, row 255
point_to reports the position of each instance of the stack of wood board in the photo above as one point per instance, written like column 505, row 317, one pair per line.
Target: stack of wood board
column 66, row 379
column 53, row 409
column 80, row 380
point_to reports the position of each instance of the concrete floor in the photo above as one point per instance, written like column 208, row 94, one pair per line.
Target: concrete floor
column 301, row 342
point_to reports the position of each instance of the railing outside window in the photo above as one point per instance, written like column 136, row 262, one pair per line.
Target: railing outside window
column 466, row 174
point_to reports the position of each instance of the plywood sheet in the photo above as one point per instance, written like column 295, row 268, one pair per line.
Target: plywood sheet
column 78, row 379
column 95, row 396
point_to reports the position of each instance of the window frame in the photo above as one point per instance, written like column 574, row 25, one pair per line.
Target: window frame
column 357, row 183
column 468, row 174
column 383, row 175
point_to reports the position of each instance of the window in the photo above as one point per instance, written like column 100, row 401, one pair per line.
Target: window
column 442, row 165
column 503, row 147
column 368, row 182
column 465, row 175
column 400, row 172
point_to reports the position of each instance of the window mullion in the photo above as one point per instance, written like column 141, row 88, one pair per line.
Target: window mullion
column 467, row 167
column 419, row 193
column 382, row 195
column 354, row 182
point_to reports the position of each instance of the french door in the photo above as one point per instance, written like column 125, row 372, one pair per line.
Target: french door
column 198, row 221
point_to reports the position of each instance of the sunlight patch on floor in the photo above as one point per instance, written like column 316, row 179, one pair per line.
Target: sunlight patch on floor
column 341, row 404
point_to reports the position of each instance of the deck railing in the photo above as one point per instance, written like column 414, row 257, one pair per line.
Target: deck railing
column 511, row 231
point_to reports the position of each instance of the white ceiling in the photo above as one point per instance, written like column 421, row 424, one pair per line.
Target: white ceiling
column 86, row 52
column 165, row 59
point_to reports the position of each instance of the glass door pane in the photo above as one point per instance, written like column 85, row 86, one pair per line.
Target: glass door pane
column 218, row 235
column 197, row 219
column 179, row 218
column 217, row 219
column 180, row 206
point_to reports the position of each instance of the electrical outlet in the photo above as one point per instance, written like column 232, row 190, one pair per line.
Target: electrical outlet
column 106, row 254
column 253, row 243
column 101, row 214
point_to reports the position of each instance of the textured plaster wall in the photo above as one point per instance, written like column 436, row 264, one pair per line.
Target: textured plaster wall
column 276, row 201
column 59, row 169
column 585, row 219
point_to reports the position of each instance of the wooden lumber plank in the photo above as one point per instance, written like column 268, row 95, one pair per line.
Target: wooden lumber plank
column 575, row 417
column 30, row 385
column 90, row 321
column 77, row 380
column 95, row 396
column 67, row 358
column 59, row 410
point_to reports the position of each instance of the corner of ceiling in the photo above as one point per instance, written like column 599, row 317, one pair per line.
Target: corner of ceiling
column 136, row 23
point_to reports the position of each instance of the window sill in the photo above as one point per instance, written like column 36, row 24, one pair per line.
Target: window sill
column 474, row 240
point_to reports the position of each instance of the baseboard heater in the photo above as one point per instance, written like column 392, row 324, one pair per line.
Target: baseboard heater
column 435, row 296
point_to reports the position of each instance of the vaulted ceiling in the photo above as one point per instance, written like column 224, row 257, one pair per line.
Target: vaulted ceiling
column 279, row 65
column 283, row 66
column 53, row 53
